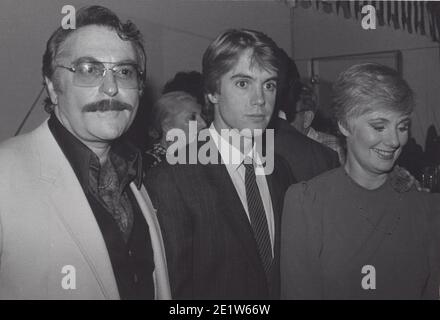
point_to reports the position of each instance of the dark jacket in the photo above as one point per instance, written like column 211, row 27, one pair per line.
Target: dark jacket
column 209, row 242
column 306, row 157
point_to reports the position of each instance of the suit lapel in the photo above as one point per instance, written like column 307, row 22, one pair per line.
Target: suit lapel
column 73, row 209
column 277, row 182
column 231, row 207
column 275, row 191
column 161, row 279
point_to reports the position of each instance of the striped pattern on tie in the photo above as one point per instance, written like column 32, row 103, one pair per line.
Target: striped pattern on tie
column 258, row 218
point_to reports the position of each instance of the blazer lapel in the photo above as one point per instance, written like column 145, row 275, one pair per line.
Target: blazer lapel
column 161, row 280
column 277, row 191
column 231, row 207
column 73, row 209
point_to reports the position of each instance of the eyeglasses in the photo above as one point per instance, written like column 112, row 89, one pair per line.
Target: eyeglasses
column 92, row 73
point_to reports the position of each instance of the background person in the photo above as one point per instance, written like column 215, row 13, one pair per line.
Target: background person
column 187, row 81
column 306, row 158
column 173, row 110
column 301, row 115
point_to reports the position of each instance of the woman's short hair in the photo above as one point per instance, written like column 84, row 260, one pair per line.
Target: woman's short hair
column 367, row 87
column 166, row 106
column 224, row 52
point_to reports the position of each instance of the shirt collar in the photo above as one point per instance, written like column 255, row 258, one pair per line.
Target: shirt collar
column 282, row 115
column 312, row 134
column 230, row 153
column 82, row 159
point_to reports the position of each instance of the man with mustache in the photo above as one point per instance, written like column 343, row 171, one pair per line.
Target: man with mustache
column 75, row 219
column 107, row 105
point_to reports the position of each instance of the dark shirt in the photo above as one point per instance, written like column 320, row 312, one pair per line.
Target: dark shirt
column 117, row 213
column 342, row 241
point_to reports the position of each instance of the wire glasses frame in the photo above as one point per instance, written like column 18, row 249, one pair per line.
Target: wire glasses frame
column 92, row 73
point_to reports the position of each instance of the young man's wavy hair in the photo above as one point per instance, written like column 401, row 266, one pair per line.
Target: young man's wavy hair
column 93, row 15
column 224, row 52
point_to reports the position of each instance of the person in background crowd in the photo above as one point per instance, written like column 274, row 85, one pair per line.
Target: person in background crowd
column 306, row 157
column 173, row 110
column 190, row 82
column 301, row 116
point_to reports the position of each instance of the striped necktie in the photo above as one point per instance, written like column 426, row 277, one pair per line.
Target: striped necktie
column 258, row 218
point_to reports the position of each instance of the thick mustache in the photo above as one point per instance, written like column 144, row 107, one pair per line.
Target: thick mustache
column 107, row 105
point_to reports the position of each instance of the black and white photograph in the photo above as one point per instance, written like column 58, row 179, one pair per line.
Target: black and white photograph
column 231, row 155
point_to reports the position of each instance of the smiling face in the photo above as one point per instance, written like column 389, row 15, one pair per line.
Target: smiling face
column 374, row 142
column 246, row 96
column 72, row 108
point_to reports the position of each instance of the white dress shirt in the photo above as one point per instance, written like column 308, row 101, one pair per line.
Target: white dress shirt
column 233, row 159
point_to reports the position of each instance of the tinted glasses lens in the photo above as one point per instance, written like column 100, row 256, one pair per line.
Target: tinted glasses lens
column 90, row 74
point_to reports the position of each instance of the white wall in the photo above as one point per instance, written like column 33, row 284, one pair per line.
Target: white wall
column 318, row 34
column 176, row 33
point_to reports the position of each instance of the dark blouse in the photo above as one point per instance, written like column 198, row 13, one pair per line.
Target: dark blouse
column 342, row 241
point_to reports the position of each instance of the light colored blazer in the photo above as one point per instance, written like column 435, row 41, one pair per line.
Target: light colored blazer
column 46, row 224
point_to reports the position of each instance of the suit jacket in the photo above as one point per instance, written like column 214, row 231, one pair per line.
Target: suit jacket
column 210, row 246
column 46, row 224
column 306, row 157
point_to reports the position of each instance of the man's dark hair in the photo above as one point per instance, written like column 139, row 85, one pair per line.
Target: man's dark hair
column 187, row 81
column 289, row 88
column 100, row 16
column 225, row 51
column 301, row 98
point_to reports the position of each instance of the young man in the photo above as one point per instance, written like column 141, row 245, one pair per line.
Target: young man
column 221, row 221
